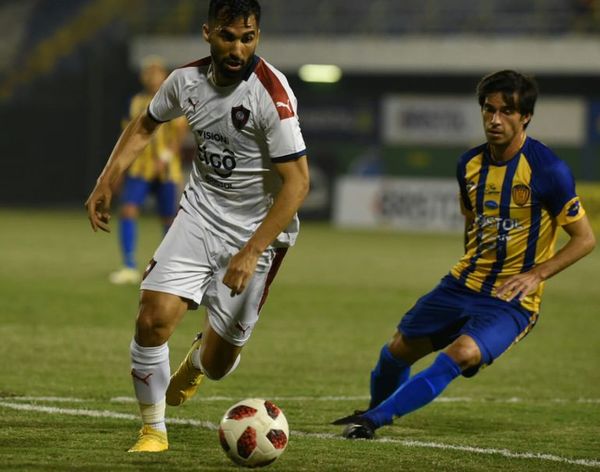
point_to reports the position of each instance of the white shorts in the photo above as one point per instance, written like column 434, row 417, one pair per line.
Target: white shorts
column 191, row 263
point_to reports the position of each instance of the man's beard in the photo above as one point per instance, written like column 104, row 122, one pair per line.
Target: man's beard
column 233, row 74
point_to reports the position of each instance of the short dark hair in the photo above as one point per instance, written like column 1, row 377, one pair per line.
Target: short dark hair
column 509, row 82
column 229, row 10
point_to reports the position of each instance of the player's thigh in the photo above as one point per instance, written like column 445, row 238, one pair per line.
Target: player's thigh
column 495, row 325
column 234, row 318
column 437, row 316
column 158, row 315
column 185, row 262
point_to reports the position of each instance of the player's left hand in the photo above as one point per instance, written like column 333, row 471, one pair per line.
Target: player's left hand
column 519, row 285
column 240, row 270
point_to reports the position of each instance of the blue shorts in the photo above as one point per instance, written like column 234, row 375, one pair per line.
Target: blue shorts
column 451, row 310
column 135, row 190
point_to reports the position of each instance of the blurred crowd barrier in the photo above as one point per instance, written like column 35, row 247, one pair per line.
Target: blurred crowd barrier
column 404, row 108
column 416, row 204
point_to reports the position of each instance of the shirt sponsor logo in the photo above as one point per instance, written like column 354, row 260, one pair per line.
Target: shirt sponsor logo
column 217, row 183
column 206, row 135
column 504, row 224
column 222, row 163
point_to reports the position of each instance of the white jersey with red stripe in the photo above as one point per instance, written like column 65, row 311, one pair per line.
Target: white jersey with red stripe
column 240, row 130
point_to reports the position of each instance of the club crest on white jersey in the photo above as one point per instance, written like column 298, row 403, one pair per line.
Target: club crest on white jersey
column 239, row 116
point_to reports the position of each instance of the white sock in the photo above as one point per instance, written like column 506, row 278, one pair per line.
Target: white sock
column 150, row 371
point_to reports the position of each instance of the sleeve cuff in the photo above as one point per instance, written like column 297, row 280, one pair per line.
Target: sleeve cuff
column 289, row 157
column 152, row 117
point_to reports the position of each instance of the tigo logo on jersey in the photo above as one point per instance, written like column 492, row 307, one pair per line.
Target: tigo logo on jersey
column 239, row 116
column 520, row 194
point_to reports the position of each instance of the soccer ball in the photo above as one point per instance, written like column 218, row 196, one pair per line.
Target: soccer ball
column 253, row 432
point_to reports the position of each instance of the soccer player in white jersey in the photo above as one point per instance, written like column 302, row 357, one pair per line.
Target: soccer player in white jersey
column 237, row 215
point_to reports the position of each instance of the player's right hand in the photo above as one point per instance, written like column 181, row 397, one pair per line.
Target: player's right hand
column 240, row 270
column 98, row 207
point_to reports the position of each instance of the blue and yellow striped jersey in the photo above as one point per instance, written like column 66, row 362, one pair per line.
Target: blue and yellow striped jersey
column 166, row 139
column 516, row 208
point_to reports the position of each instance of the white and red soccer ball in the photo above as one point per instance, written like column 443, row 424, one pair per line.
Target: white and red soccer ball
column 254, row 432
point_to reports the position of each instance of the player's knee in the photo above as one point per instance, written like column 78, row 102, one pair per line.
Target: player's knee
column 152, row 329
column 409, row 350
column 148, row 332
column 465, row 353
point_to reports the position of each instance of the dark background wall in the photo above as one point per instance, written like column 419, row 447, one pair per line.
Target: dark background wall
column 66, row 79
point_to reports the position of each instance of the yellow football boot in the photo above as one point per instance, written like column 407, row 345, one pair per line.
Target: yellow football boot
column 185, row 381
column 150, row 440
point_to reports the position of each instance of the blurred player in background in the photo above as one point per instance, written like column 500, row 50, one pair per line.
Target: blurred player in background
column 157, row 169
column 515, row 193
column 237, row 216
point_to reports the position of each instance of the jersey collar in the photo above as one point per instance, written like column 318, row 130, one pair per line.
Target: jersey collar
column 251, row 67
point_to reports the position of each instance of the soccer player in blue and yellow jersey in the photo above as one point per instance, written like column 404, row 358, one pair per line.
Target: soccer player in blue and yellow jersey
column 515, row 193
column 157, row 169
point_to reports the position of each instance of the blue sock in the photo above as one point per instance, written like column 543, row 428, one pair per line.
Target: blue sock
column 417, row 392
column 128, row 230
column 389, row 374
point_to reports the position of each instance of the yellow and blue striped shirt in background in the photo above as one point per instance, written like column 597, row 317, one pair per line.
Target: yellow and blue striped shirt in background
column 516, row 208
column 166, row 139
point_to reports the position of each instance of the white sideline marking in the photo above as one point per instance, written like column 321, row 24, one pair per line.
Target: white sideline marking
column 217, row 398
column 211, row 426
column 46, row 399
column 366, row 398
column 101, row 414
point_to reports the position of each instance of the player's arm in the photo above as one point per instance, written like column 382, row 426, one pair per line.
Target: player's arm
column 581, row 242
column 464, row 202
column 295, row 177
column 132, row 141
column 469, row 220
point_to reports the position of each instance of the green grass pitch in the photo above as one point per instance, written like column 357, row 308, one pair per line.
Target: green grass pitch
column 65, row 387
